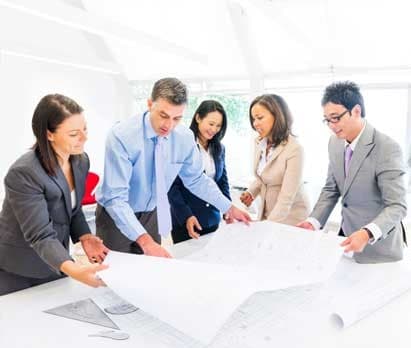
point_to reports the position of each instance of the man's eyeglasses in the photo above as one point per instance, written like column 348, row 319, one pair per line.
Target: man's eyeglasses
column 334, row 119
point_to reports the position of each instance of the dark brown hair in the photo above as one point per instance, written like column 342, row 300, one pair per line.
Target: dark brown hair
column 50, row 112
column 277, row 106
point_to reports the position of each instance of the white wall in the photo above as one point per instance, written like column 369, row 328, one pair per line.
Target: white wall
column 24, row 81
column 38, row 57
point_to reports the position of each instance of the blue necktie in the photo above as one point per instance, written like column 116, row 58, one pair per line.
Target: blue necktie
column 163, row 207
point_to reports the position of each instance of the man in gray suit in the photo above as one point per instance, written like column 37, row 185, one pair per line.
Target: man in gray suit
column 366, row 170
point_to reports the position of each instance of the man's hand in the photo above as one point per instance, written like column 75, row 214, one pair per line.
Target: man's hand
column 228, row 219
column 306, row 225
column 246, row 198
column 192, row 223
column 238, row 214
column 150, row 247
column 356, row 242
column 94, row 248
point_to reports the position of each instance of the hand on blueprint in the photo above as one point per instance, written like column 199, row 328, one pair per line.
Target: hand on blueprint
column 94, row 248
column 306, row 225
column 356, row 242
column 237, row 214
column 228, row 219
column 84, row 273
column 150, row 247
column 246, row 198
column 192, row 223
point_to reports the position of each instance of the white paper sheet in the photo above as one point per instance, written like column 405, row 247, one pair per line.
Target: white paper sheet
column 357, row 290
column 282, row 318
column 198, row 297
column 276, row 255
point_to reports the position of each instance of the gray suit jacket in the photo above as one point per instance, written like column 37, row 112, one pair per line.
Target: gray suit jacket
column 373, row 192
column 37, row 219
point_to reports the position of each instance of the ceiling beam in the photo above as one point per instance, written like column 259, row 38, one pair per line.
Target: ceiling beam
column 275, row 12
column 95, row 65
column 247, row 46
column 70, row 16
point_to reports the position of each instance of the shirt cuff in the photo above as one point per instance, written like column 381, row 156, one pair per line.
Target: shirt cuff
column 375, row 231
column 313, row 221
column 224, row 204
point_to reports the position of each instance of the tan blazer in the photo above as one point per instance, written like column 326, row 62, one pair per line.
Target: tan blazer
column 280, row 185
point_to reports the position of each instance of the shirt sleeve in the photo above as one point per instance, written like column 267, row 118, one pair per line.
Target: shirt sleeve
column 191, row 173
column 181, row 211
column 313, row 221
column 114, row 194
column 375, row 231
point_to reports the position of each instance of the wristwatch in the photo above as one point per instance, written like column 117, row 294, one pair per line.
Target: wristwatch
column 370, row 235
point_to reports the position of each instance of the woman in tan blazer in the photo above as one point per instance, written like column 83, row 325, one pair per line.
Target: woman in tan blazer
column 278, row 163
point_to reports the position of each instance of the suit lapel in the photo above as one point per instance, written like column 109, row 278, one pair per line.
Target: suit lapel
column 362, row 149
column 218, row 167
column 276, row 152
column 339, row 155
column 75, row 167
column 61, row 182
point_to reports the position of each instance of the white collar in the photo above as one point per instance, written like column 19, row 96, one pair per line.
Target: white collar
column 354, row 143
column 263, row 144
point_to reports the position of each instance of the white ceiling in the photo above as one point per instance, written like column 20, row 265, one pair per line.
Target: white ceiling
column 214, row 39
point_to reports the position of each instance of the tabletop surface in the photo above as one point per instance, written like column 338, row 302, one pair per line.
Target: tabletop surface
column 23, row 322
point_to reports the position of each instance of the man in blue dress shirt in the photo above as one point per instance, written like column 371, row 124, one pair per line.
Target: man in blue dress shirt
column 126, row 215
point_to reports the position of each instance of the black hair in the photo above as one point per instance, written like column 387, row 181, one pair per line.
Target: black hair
column 344, row 93
column 202, row 111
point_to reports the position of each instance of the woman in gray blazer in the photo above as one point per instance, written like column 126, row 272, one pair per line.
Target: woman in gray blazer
column 42, row 204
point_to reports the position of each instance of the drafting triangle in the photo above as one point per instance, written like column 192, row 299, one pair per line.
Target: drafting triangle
column 84, row 310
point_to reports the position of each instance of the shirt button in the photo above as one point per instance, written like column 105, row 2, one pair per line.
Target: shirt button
column 208, row 204
column 345, row 205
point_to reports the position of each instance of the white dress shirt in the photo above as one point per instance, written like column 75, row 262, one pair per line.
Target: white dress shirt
column 208, row 161
column 73, row 199
column 264, row 157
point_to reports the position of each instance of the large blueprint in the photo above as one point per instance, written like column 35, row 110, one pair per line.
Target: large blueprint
column 197, row 295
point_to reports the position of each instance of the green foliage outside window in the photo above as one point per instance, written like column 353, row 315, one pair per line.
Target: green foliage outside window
column 236, row 108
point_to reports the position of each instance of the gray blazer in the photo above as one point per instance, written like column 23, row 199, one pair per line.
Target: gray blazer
column 373, row 192
column 37, row 219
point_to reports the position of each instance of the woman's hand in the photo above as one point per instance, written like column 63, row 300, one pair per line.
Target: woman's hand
column 84, row 273
column 94, row 248
column 192, row 223
column 246, row 198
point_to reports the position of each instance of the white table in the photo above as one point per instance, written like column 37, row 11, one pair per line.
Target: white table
column 24, row 324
